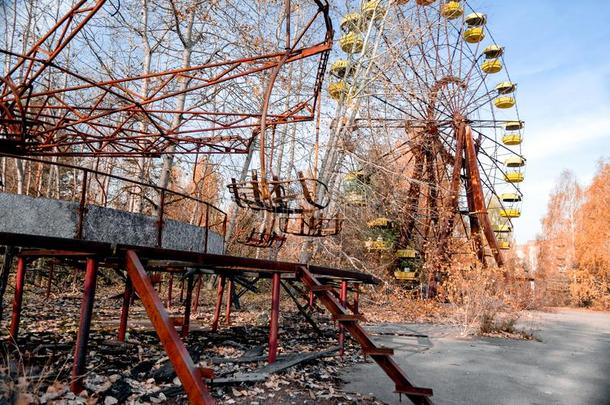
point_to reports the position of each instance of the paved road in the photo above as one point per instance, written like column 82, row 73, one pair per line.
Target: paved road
column 571, row 365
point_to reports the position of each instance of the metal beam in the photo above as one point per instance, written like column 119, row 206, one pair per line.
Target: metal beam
column 127, row 295
column 480, row 208
column 18, row 299
column 186, row 370
column 84, row 327
column 220, row 292
column 218, row 263
column 275, row 318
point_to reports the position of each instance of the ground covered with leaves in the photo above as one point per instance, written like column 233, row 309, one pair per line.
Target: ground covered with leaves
column 138, row 371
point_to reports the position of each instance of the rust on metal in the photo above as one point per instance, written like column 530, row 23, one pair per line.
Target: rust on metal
column 218, row 307
column 37, row 120
column 275, row 318
column 127, row 296
column 230, row 294
column 18, row 299
column 186, row 324
column 186, row 370
column 350, row 322
column 478, row 199
column 84, row 326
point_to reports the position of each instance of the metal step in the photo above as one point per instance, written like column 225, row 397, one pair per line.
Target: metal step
column 380, row 355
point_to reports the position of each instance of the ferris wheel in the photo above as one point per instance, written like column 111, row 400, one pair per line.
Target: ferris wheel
column 438, row 104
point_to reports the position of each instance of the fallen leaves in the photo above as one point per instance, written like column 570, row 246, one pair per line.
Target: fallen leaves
column 139, row 372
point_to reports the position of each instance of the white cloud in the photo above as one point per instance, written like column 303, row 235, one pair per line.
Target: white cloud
column 568, row 134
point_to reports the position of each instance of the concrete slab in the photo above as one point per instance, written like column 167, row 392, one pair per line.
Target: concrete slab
column 571, row 365
column 27, row 215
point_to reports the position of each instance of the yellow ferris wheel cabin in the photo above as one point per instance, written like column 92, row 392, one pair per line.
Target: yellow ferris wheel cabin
column 505, row 102
column 351, row 22
column 492, row 66
column 510, row 213
column 351, row 42
column 504, row 245
column 372, row 10
column 514, row 177
column 341, row 68
column 502, row 228
column 515, row 161
column 511, row 197
column 337, row 90
column 506, row 88
column 474, row 35
column 514, row 125
column 452, row 10
column 512, row 139
column 475, row 20
column 380, row 223
column 493, row 52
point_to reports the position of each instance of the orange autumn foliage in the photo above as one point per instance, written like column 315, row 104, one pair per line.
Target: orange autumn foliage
column 574, row 250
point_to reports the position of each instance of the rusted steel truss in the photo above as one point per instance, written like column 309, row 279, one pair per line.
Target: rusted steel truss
column 479, row 218
column 92, row 117
column 140, row 280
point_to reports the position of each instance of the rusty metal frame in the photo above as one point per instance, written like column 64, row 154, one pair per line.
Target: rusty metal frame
column 84, row 326
column 279, row 196
column 274, row 325
column 349, row 321
column 263, row 239
column 43, row 246
column 310, row 225
column 42, row 122
column 139, row 282
column 479, row 218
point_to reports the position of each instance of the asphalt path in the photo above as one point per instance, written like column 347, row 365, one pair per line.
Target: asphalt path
column 568, row 364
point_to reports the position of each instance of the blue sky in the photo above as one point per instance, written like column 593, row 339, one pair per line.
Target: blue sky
column 558, row 51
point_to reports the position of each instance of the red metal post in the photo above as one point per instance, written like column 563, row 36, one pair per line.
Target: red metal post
column 170, row 286
column 50, row 280
column 196, row 302
column 221, row 289
column 187, row 306
column 229, row 301
column 311, row 299
column 357, row 299
column 343, row 300
column 82, row 338
column 18, row 299
column 125, row 310
column 275, row 317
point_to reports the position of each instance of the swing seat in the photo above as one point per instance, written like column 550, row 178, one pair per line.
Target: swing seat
column 311, row 226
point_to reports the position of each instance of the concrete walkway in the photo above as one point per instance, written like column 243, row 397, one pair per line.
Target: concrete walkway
column 571, row 365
